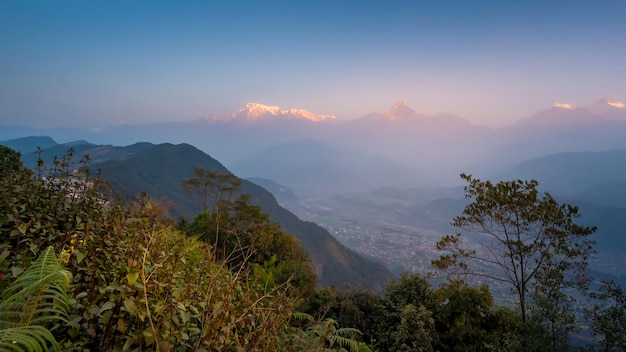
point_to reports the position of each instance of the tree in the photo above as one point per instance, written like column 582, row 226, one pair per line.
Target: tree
column 407, row 324
column 217, row 188
column 608, row 317
column 10, row 161
column 211, row 188
column 465, row 319
column 241, row 233
column 523, row 239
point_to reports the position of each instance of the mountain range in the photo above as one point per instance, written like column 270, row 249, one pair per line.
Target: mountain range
column 432, row 150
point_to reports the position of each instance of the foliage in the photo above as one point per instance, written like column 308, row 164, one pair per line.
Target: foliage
column 466, row 318
column 211, row 188
column 527, row 241
column 412, row 316
column 405, row 303
column 608, row 317
column 138, row 283
column 34, row 302
column 10, row 161
column 159, row 171
column 325, row 335
column 240, row 233
column 356, row 307
column 56, row 208
column 232, row 280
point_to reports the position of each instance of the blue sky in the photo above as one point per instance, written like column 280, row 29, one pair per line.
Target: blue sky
column 93, row 63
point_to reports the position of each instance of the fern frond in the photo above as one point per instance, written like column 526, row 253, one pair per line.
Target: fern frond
column 299, row 316
column 27, row 338
column 344, row 342
column 37, row 297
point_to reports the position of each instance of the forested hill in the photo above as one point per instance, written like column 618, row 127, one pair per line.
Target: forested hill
column 159, row 171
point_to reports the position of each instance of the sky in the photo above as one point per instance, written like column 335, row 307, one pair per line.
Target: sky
column 95, row 63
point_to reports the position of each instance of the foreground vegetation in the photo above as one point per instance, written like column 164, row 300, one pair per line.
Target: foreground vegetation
column 83, row 272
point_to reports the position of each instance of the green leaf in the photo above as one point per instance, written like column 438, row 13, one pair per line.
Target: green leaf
column 79, row 255
column 149, row 337
column 132, row 278
column 129, row 304
column 22, row 228
column 106, row 306
column 4, row 255
column 127, row 344
column 15, row 271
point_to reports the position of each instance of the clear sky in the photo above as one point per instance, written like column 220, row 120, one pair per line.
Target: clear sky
column 93, row 63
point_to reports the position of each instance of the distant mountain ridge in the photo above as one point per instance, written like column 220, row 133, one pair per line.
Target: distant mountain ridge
column 29, row 144
column 593, row 176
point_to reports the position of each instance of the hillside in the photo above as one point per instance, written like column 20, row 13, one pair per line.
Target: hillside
column 159, row 170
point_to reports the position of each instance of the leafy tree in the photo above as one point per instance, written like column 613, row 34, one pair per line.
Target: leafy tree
column 411, row 288
column 212, row 189
column 417, row 329
column 240, row 233
column 360, row 309
column 10, row 161
column 407, row 323
column 525, row 240
column 466, row 319
column 608, row 317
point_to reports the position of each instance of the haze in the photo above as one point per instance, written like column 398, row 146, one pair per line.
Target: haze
column 93, row 64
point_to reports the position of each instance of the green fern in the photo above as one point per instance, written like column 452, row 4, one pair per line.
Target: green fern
column 339, row 338
column 37, row 297
column 33, row 338
column 319, row 336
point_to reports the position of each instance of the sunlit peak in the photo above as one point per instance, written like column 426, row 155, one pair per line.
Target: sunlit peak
column 398, row 104
column 254, row 111
column 615, row 103
column 564, row 106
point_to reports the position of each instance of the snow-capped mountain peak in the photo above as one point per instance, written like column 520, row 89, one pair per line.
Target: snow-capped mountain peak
column 611, row 108
column 397, row 105
column 614, row 103
column 564, row 106
column 256, row 111
column 400, row 111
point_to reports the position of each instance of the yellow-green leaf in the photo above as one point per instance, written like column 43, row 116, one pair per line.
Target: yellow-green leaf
column 129, row 304
column 132, row 278
column 79, row 255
